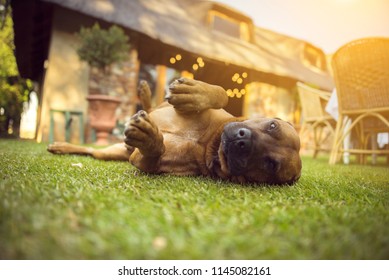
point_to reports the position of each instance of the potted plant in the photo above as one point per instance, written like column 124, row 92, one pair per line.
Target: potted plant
column 101, row 48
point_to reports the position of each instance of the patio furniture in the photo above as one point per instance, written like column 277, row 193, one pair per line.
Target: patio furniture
column 361, row 74
column 332, row 109
column 315, row 119
column 68, row 121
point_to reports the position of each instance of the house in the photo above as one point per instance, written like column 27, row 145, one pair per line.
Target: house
column 169, row 38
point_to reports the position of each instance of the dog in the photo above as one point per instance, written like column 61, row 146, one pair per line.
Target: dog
column 191, row 134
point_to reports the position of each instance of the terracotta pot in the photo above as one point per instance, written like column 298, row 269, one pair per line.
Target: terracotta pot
column 102, row 116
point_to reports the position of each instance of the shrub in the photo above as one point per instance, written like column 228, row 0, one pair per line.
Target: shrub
column 100, row 48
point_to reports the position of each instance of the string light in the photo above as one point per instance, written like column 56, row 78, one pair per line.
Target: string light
column 195, row 67
column 236, row 92
column 175, row 58
column 238, row 79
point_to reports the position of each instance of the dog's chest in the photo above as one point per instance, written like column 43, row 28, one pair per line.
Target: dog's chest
column 183, row 155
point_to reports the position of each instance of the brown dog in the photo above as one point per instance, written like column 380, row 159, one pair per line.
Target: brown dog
column 193, row 135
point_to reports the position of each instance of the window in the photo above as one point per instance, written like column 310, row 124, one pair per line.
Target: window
column 315, row 57
column 226, row 26
column 229, row 25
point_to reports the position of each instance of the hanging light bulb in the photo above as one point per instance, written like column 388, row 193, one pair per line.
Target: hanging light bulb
column 235, row 77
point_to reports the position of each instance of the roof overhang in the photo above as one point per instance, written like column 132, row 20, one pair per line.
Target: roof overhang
column 32, row 26
column 169, row 23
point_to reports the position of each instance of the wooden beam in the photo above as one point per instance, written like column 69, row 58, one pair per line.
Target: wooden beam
column 160, row 86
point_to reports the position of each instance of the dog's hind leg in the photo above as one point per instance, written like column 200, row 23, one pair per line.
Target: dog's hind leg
column 144, row 94
column 115, row 152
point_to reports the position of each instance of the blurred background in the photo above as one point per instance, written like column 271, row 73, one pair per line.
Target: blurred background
column 258, row 50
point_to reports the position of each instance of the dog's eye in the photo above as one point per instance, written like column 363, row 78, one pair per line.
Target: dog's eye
column 271, row 165
column 272, row 125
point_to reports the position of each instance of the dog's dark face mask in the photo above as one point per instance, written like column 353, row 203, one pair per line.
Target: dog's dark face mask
column 261, row 150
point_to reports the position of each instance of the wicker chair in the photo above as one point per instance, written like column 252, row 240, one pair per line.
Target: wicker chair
column 315, row 118
column 361, row 74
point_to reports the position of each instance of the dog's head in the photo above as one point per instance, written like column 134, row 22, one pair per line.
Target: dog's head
column 260, row 150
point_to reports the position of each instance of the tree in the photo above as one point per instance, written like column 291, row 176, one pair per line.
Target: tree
column 14, row 90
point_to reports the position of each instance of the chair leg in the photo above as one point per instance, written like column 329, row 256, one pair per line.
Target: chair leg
column 68, row 122
column 82, row 135
column 317, row 139
column 346, row 141
column 315, row 142
column 337, row 138
column 302, row 129
column 301, row 135
column 362, row 143
column 387, row 156
column 374, row 146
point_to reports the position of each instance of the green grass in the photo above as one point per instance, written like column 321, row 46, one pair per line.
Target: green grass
column 50, row 209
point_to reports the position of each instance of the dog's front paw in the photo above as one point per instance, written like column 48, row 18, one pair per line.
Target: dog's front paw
column 142, row 133
column 189, row 96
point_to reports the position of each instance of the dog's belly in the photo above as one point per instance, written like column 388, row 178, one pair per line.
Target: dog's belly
column 186, row 138
column 183, row 156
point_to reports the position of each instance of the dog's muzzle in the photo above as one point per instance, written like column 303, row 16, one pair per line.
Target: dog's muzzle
column 236, row 145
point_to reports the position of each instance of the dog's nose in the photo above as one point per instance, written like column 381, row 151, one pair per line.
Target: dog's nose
column 235, row 131
column 239, row 137
column 242, row 139
column 243, row 133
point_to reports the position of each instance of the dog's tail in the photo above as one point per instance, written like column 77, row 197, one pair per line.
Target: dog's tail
column 144, row 94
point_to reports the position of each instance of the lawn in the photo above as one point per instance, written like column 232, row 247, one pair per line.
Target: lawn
column 53, row 209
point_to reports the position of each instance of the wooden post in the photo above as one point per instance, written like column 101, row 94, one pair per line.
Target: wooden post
column 160, row 86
